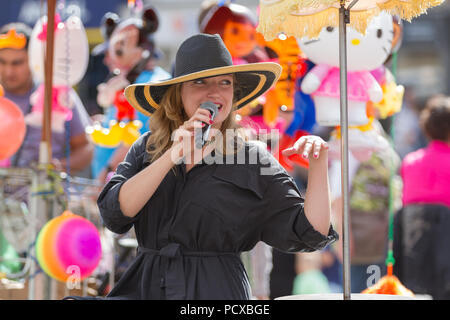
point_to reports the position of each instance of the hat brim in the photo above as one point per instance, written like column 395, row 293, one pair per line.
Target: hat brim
column 253, row 79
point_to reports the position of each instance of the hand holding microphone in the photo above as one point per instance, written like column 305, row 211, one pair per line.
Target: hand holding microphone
column 194, row 133
column 201, row 136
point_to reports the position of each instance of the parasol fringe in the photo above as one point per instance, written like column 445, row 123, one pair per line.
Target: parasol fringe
column 276, row 17
column 272, row 16
column 408, row 10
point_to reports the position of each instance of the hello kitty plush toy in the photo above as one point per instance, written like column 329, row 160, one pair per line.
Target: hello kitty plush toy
column 70, row 61
column 364, row 53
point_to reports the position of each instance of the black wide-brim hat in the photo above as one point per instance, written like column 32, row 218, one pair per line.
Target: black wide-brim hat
column 203, row 56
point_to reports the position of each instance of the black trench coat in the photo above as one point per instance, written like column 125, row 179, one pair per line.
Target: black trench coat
column 192, row 230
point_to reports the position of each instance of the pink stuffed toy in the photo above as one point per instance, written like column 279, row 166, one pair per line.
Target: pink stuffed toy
column 365, row 53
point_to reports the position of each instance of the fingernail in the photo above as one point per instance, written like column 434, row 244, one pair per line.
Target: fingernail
column 305, row 155
column 211, row 122
column 316, row 155
column 203, row 124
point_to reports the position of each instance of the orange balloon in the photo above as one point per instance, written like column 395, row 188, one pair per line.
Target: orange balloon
column 12, row 128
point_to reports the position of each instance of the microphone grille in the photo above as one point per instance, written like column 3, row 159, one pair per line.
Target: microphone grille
column 212, row 107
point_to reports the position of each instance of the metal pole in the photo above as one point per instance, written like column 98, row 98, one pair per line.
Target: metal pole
column 48, row 79
column 33, row 201
column 344, row 16
column 39, row 206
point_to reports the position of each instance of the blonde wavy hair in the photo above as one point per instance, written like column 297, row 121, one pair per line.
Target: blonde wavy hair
column 171, row 115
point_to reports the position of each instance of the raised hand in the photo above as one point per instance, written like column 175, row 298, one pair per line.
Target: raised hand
column 307, row 145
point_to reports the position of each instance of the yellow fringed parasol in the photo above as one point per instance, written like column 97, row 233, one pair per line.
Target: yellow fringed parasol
column 301, row 18
column 306, row 18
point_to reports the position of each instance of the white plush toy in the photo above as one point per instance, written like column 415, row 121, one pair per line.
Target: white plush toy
column 70, row 61
column 364, row 53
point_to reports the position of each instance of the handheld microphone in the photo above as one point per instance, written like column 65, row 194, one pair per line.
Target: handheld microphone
column 201, row 136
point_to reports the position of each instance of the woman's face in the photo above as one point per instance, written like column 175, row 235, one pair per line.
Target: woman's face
column 218, row 90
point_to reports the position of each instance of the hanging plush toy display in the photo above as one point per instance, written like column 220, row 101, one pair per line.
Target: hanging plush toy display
column 365, row 53
column 71, row 57
column 130, row 50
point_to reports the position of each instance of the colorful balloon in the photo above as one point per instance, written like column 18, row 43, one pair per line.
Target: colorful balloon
column 66, row 243
column 12, row 128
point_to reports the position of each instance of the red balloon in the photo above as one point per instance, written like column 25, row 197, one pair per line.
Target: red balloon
column 12, row 128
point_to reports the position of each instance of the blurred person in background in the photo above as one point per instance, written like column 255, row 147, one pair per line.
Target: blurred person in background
column 408, row 136
column 310, row 278
column 426, row 172
column 421, row 237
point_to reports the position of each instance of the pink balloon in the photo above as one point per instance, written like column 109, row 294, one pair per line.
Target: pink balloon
column 78, row 245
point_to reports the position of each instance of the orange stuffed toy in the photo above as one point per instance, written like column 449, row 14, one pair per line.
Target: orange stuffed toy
column 288, row 54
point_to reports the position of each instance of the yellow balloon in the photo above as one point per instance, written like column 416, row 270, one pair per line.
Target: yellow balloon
column 106, row 137
column 131, row 132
